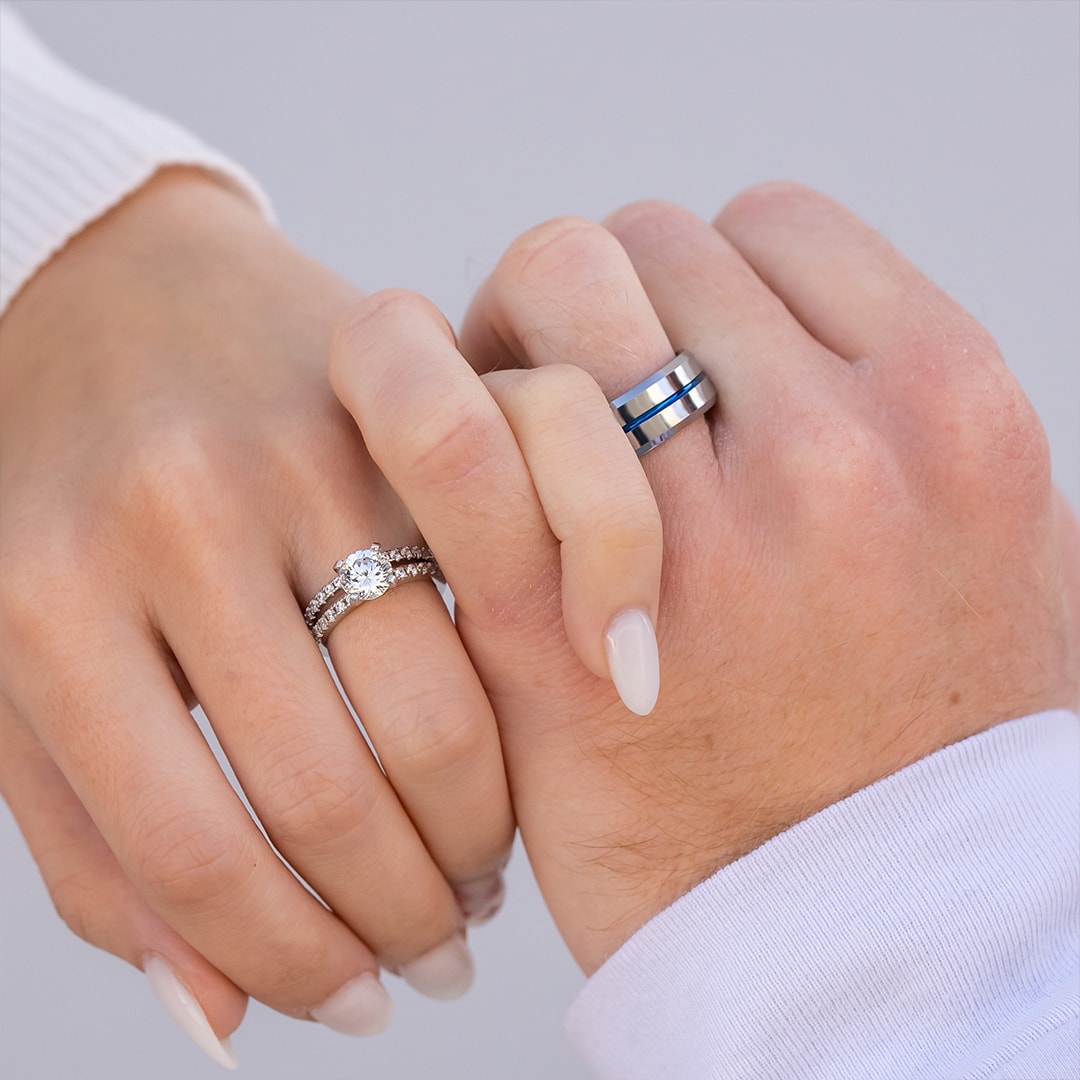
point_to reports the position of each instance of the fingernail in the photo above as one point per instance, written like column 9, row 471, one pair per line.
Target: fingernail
column 480, row 900
column 444, row 973
column 634, row 660
column 181, row 1005
column 361, row 1007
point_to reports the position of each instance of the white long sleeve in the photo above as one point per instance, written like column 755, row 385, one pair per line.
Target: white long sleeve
column 926, row 928
column 70, row 150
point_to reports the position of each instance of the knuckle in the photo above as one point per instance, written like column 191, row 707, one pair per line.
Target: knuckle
column 437, row 732
column 567, row 382
column 172, row 474
column 78, row 901
column 546, row 249
column 192, row 860
column 446, row 448
column 771, row 198
column 839, row 466
column 630, row 525
column 945, row 345
column 41, row 595
column 318, row 798
column 648, row 219
column 998, row 447
column 24, row 587
column 380, row 315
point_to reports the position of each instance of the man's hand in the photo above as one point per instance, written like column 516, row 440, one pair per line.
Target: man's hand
column 862, row 561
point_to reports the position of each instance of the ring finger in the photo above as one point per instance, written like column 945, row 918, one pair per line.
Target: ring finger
column 315, row 785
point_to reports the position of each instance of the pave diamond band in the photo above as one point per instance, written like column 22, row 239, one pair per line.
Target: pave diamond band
column 365, row 575
column 650, row 412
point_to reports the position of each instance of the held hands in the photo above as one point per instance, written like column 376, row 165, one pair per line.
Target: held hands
column 862, row 562
column 177, row 482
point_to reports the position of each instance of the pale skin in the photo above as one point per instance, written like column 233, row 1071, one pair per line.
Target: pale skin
column 862, row 562
column 178, row 480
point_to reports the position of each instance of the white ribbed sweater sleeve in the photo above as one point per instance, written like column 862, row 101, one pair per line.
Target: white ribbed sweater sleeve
column 926, row 928
column 70, row 150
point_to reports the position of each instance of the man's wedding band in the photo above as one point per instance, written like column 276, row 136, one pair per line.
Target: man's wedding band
column 365, row 575
column 650, row 412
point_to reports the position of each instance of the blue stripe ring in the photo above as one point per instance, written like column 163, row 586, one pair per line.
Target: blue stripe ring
column 650, row 412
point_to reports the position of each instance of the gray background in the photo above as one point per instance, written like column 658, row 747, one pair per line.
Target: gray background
column 407, row 144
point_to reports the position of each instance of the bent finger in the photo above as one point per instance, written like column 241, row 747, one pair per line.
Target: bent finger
column 441, row 441
column 146, row 776
column 598, row 503
column 98, row 902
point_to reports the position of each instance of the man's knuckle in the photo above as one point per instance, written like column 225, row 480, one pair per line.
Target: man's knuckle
column 547, row 248
column 645, row 219
column 837, row 465
column 569, row 383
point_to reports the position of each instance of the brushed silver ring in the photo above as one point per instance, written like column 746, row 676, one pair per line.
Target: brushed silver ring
column 651, row 412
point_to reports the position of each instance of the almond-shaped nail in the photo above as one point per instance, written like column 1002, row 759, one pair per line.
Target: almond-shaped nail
column 480, row 900
column 181, row 1005
column 445, row 973
column 361, row 1007
column 634, row 660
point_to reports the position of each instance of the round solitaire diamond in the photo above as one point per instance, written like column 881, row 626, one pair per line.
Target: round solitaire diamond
column 366, row 574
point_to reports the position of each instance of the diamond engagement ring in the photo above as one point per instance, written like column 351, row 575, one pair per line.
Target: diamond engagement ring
column 365, row 575
column 650, row 412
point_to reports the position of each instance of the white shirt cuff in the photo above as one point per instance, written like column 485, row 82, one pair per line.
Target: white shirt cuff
column 925, row 927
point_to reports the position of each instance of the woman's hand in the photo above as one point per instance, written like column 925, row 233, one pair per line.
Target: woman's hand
column 864, row 560
column 178, row 480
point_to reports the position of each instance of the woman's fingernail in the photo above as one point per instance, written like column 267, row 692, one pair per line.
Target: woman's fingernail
column 181, row 1005
column 480, row 900
column 634, row 660
column 361, row 1007
column 444, row 973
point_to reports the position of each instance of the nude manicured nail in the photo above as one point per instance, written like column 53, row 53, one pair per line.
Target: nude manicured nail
column 181, row 1005
column 444, row 973
column 634, row 660
column 361, row 1007
column 480, row 900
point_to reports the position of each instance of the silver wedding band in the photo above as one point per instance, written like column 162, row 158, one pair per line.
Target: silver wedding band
column 651, row 412
column 365, row 575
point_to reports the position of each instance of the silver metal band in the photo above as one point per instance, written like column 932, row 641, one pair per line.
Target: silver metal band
column 650, row 412
column 365, row 575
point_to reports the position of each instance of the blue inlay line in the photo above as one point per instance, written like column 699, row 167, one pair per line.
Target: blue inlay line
column 650, row 413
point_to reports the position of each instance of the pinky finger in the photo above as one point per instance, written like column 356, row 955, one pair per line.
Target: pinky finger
column 599, row 504
column 98, row 902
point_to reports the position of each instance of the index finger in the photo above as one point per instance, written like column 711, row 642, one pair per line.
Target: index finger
column 457, row 462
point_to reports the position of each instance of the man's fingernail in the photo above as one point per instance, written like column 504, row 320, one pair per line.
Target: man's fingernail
column 361, row 1007
column 480, row 900
column 634, row 660
column 444, row 973
column 181, row 1005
